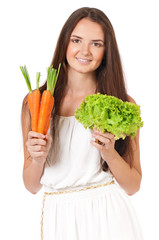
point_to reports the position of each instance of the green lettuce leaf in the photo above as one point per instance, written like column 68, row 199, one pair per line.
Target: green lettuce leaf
column 109, row 114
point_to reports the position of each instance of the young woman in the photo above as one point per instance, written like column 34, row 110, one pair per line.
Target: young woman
column 81, row 200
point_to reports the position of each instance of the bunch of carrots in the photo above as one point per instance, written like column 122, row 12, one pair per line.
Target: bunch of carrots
column 41, row 107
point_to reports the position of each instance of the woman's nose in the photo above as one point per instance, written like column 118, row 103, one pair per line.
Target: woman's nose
column 85, row 49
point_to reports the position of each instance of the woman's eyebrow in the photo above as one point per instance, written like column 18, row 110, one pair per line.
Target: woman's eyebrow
column 95, row 40
column 76, row 36
column 98, row 40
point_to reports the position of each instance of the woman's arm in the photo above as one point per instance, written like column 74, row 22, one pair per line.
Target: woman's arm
column 129, row 178
column 36, row 147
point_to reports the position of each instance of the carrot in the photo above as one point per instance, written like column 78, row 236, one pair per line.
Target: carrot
column 33, row 98
column 36, row 96
column 48, row 124
column 30, row 101
column 47, row 101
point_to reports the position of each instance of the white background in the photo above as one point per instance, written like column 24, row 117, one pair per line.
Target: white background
column 29, row 30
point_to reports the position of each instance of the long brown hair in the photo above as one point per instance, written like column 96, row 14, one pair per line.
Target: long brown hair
column 109, row 74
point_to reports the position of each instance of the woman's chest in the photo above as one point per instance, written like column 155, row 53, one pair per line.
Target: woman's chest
column 69, row 104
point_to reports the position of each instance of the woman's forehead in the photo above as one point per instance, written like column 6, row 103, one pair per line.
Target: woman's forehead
column 88, row 28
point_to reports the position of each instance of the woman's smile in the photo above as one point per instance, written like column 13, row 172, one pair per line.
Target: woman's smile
column 83, row 60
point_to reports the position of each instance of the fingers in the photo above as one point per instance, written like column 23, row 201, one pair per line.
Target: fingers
column 38, row 144
column 97, row 145
column 48, row 138
column 35, row 139
column 103, row 140
column 37, row 148
column 106, row 135
column 32, row 134
column 39, row 155
column 48, row 141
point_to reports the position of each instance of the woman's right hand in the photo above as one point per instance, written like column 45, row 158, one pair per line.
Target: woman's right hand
column 38, row 146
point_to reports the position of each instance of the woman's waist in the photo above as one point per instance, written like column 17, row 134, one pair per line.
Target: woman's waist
column 76, row 186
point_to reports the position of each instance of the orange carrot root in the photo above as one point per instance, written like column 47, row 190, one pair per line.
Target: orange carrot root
column 35, row 109
column 47, row 125
column 46, row 107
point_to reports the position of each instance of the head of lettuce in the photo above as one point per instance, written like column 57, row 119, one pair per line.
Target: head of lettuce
column 109, row 114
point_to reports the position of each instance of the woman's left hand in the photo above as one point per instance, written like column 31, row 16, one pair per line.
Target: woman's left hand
column 106, row 144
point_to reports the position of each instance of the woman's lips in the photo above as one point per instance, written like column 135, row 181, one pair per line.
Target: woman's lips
column 83, row 60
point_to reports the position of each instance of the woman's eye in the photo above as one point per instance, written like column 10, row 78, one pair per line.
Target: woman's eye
column 96, row 44
column 75, row 40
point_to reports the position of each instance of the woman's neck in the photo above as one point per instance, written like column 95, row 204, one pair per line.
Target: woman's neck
column 80, row 84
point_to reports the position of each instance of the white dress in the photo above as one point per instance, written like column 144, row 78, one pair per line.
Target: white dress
column 103, row 213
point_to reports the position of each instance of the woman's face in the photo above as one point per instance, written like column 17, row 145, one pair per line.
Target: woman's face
column 86, row 47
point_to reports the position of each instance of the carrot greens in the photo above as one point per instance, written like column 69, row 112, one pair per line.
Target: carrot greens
column 26, row 76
